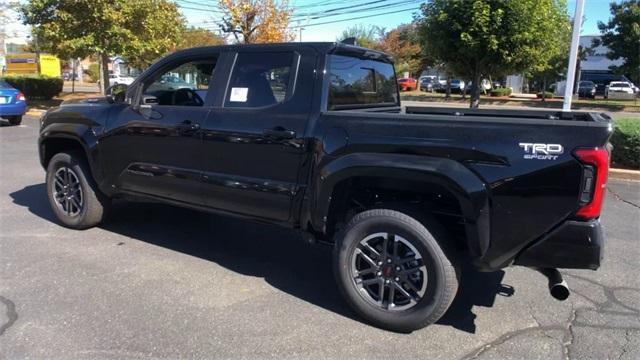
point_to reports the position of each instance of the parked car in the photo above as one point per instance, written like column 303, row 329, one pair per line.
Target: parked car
column 297, row 135
column 115, row 79
column 407, row 84
column 170, row 82
column 427, row 83
column 67, row 76
column 13, row 103
column 602, row 80
column 620, row 87
column 457, row 86
column 587, row 89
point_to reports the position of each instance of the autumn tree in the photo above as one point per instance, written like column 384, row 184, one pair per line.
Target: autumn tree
column 403, row 44
column 257, row 21
column 140, row 31
column 492, row 37
column 194, row 37
column 621, row 34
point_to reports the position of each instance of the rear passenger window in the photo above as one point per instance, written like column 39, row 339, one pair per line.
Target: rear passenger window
column 260, row 80
column 360, row 83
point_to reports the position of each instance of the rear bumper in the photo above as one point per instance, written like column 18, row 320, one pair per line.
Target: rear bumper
column 13, row 109
column 573, row 245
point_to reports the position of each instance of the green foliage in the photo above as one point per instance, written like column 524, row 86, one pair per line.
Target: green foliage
column 36, row 87
column 366, row 36
column 482, row 38
column 622, row 36
column 193, row 37
column 140, row 31
column 500, row 92
column 94, row 72
column 547, row 95
column 626, row 142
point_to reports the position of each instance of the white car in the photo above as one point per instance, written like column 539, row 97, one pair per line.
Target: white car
column 115, row 79
column 619, row 87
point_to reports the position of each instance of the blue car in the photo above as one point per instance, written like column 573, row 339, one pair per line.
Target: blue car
column 13, row 104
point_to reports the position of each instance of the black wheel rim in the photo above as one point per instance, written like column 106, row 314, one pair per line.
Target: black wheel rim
column 67, row 192
column 388, row 272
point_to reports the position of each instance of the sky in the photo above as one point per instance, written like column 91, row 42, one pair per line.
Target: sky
column 310, row 14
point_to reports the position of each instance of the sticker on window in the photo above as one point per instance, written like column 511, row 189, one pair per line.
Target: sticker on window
column 239, row 94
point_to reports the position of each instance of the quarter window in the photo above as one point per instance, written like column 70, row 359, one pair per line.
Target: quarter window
column 260, row 80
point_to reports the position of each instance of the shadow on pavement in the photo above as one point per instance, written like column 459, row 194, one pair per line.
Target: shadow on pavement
column 275, row 254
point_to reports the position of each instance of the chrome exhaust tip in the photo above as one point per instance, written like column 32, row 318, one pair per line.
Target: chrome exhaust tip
column 558, row 288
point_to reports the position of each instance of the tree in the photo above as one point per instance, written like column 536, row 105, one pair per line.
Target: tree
column 366, row 36
column 621, row 34
column 403, row 44
column 140, row 31
column 193, row 37
column 477, row 38
column 257, row 21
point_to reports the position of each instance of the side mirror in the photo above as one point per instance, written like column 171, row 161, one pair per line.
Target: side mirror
column 116, row 93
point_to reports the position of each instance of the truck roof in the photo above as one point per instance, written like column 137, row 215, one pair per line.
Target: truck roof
column 321, row 47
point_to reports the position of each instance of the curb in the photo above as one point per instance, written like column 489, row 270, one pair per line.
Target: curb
column 35, row 112
column 624, row 174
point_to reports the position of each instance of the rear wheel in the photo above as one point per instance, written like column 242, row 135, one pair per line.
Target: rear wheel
column 393, row 272
column 73, row 195
column 15, row 120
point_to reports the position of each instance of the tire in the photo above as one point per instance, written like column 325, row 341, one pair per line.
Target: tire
column 15, row 120
column 90, row 206
column 436, row 280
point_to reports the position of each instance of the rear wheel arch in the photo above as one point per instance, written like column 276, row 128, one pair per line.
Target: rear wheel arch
column 411, row 186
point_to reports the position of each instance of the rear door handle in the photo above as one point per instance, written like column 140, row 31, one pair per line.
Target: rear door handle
column 279, row 133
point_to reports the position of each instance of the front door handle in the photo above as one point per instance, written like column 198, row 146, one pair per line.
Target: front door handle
column 279, row 133
column 187, row 125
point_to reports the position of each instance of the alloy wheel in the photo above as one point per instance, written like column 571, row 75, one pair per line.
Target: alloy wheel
column 67, row 191
column 389, row 272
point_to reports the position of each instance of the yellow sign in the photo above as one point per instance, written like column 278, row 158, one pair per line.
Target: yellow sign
column 49, row 65
column 25, row 64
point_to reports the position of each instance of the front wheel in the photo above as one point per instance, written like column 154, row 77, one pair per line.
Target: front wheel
column 73, row 194
column 393, row 271
column 15, row 120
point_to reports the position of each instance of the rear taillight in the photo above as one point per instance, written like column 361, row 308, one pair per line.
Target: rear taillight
column 594, row 180
column 21, row 97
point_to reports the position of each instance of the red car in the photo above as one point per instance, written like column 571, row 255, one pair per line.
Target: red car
column 406, row 84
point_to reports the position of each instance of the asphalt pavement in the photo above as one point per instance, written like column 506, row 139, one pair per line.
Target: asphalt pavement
column 163, row 282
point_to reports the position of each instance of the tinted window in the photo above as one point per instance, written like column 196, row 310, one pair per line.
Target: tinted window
column 183, row 85
column 3, row 84
column 356, row 82
column 260, row 80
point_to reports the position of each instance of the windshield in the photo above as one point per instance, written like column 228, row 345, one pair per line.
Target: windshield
column 586, row 83
column 620, row 85
column 360, row 83
column 4, row 84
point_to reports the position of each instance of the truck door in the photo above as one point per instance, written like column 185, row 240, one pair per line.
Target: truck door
column 154, row 146
column 253, row 139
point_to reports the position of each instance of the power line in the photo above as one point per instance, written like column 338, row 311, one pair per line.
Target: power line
column 350, row 10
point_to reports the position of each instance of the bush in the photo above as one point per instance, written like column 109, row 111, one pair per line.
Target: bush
column 36, row 87
column 500, row 92
column 94, row 72
column 626, row 143
column 547, row 95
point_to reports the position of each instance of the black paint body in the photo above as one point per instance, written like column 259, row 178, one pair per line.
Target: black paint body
column 237, row 161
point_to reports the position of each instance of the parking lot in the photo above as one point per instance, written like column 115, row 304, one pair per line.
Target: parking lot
column 163, row 282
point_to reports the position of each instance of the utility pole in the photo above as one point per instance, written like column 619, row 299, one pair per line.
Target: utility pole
column 573, row 56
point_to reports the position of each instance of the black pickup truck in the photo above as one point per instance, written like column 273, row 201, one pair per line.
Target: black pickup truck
column 312, row 136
